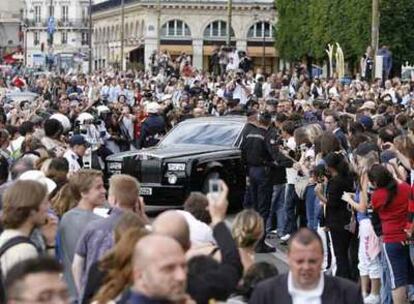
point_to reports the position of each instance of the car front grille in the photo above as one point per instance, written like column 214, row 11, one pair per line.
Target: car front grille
column 146, row 171
column 151, row 171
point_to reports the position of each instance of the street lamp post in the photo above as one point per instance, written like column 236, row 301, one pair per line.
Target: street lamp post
column 158, row 25
column 26, row 30
column 375, row 30
column 90, row 37
column 122, row 32
column 25, row 45
column 52, row 30
column 264, row 44
column 229, row 16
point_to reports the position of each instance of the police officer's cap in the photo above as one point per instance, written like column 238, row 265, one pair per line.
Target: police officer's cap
column 265, row 117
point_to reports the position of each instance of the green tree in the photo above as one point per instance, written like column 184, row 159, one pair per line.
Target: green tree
column 397, row 29
column 291, row 29
column 306, row 27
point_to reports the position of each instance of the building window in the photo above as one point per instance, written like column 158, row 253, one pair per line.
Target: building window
column 217, row 30
column 37, row 13
column 51, row 11
column 65, row 13
column 64, row 37
column 175, row 28
column 85, row 38
column 36, row 38
column 85, row 14
column 260, row 30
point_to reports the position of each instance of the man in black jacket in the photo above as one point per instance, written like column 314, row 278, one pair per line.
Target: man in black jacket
column 257, row 159
column 331, row 122
column 281, row 161
column 305, row 282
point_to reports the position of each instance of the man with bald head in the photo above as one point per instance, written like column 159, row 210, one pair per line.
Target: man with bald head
column 159, row 271
column 173, row 224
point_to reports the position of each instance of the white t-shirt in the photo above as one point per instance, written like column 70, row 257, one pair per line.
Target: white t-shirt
column 306, row 296
column 291, row 173
column 72, row 159
column 200, row 233
column 17, row 253
column 240, row 93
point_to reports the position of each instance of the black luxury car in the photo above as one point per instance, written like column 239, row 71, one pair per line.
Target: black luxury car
column 192, row 153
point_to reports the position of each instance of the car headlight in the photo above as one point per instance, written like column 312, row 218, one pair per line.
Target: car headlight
column 172, row 179
column 176, row 167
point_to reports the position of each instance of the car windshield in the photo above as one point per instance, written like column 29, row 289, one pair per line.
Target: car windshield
column 203, row 134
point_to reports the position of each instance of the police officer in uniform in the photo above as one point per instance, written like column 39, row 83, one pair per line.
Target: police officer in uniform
column 257, row 159
column 74, row 155
column 281, row 161
column 153, row 126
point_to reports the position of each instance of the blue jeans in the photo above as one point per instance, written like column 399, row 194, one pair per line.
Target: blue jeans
column 410, row 288
column 277, row 210
column 291, row 201
column 312, row 207
column 247, row 202
column 386, row 294
column 260, row 191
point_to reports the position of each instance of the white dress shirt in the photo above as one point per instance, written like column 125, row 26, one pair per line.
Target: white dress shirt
column 72, row 159
column 300, row 296
column 200, row 233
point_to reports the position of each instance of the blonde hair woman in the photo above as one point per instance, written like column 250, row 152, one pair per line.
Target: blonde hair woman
column 247, row 230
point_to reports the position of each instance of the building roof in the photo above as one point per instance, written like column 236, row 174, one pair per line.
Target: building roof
column 108, row 4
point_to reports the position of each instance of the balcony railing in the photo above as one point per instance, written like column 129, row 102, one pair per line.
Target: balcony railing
column 59, row 23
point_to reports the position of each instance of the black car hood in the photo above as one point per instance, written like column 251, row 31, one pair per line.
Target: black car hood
column 170, row 151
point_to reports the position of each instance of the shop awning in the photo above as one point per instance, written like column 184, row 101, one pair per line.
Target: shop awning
column 257, row 51
column 177, row 49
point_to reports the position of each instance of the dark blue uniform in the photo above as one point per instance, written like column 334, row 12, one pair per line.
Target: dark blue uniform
column 256, row 157
column 152, row 129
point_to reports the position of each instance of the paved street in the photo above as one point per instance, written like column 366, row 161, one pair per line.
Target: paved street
column 278, row 258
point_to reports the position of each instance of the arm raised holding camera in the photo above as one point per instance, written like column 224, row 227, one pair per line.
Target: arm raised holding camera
column 218, row 204
column 223, row 279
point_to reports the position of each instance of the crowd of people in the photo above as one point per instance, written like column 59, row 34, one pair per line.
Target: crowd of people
column 329, row 171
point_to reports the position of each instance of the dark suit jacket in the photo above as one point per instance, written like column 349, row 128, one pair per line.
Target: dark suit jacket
column 340, row 135
column 336, row 291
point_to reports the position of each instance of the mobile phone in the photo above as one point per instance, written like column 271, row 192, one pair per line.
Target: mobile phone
column 214, row 186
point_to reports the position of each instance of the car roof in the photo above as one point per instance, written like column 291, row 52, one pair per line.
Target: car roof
column 213, row 119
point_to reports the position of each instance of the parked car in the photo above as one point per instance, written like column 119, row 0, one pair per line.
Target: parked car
column 191, row 154
column 21, row 96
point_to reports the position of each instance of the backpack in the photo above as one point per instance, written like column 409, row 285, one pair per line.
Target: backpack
column 6, row 246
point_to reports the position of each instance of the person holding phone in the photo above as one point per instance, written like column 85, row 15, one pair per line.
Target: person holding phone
column 369, row 265
column 338, row 216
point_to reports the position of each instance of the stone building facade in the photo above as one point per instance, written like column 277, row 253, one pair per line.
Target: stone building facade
column 71, row 24
column 193, row 27
column 10, row 26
